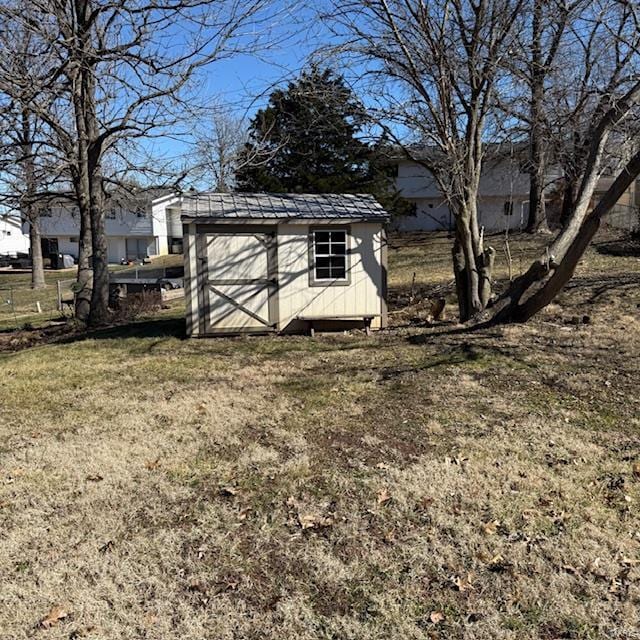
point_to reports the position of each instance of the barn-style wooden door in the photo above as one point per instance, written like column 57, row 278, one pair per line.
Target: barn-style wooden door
column 237, row 280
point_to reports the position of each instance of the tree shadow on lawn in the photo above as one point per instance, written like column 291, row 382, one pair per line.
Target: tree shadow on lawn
column 14, row 340
column 156, row 328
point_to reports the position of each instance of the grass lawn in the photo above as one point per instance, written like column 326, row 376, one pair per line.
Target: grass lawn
column 421, row 483
column 18, row 301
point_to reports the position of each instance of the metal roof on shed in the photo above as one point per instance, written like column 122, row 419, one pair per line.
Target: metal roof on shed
column 282, row 206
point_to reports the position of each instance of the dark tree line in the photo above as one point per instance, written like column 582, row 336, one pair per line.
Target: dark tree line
column 310, row 138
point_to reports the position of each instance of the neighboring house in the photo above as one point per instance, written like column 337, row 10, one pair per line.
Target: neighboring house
column 626, row 213
column 503, row 202
column 12, row 239
column 134, row 232
column 259, row 262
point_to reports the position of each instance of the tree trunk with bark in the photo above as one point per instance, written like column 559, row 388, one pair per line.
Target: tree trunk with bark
column 472, row 264
column 30, row 208
column 537, row 220
column 83, row 99
column 37, row 263
column 100, row 294
column 82, row 186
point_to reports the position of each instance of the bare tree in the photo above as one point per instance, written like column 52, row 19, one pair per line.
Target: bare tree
column 218, row 149
column 437, row 67
column 549, row 21
column 127, row 71
column 447, row 69
column 30, row 167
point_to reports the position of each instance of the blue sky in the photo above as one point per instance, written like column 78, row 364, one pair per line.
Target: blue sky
column 242, row 83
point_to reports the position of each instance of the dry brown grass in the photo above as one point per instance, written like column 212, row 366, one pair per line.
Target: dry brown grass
column 422, row 483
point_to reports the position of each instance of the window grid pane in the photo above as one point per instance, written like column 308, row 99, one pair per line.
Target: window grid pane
column 330, row 250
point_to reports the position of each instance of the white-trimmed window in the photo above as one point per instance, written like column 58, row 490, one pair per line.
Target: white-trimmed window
column 330, row 255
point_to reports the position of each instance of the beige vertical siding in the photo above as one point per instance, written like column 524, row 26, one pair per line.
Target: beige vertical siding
column 360, row 297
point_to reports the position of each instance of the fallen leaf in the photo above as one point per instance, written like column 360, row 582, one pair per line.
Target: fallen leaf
column 382, row 465
column 95, row 478
column 150, row 620
column 197, row 585
column 635, row 470
column 498, row 564
column 314, row 520
column 228, row 492
column 383, row 496
column 491, row 528
column 462, row 584
column 436, row 617
column 57, row 613
column 152, row 464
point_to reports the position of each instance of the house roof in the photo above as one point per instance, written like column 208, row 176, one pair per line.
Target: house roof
column 283, row 206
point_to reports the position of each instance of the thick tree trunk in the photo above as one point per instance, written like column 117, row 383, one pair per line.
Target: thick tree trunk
column 85, row 270
column 30, row 208
column 459, row 270
column 537, row 220
column 83, row 99
column 472, row 264
column 568, row 201
column 100, row 295
column 37, row 263
column 84, row 286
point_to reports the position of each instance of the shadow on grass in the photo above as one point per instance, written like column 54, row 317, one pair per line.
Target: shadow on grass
column 157, row 328
column 626, row 247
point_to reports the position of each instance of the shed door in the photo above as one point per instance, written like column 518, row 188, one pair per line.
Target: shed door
column 237, row 281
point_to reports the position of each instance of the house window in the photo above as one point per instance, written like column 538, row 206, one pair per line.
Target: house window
column 508, row 208
column 329, row 255
column 175, row 245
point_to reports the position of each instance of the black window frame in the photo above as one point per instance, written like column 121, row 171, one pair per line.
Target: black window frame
column 314, row 280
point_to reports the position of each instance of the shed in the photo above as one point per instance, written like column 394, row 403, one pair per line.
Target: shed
column 257, row 263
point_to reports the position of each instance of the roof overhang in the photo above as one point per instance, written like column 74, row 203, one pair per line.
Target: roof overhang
column 203, row 219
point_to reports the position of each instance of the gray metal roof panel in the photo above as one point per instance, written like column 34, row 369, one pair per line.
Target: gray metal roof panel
column 279, row 206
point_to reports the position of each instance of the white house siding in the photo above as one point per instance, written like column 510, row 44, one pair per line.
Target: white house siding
column 12, row 238
column 64, row 226
column 116, row 246
column 501, row 182
column 360, row 297
column 165, row 221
